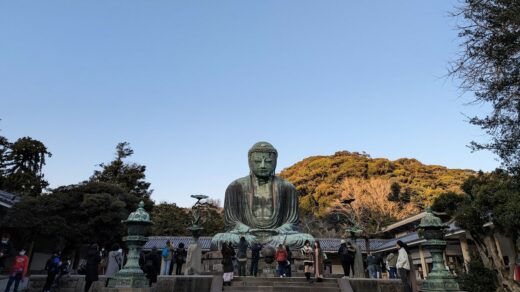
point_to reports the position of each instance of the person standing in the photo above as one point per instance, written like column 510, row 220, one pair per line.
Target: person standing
column 52, row 267
column 62, row 271
column 102, row 267
column 5, row 250
column 281, row 258
column 91, row 269
column 319, row 259
column 372, row 262
column 403, row 265
column 242, row 256
column 308, row 259
column 18, row 271
column 391, row 260
column 288, row 268
column 167, row 255
column 152, row 266
column 227, row 263
column 351, row 257
column 255, row 257
column 114, row 263
column 343, row 253
column 380, row 267
column 180, row 258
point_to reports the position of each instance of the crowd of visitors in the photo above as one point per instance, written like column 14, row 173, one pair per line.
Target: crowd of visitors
column 314, row 261
column 162, row 262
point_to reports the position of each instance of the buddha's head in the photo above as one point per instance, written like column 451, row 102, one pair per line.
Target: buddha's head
column 262, row 159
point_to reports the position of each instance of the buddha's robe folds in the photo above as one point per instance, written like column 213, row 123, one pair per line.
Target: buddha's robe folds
column 265, row 213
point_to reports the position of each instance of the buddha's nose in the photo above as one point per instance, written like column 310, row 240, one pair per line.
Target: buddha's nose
column 262, row 165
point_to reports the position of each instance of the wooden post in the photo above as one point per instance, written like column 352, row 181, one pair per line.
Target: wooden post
column 465, row 250
column 424, row 266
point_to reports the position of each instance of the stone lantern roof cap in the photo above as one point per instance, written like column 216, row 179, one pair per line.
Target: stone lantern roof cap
column 431, row 221
column 139, row 215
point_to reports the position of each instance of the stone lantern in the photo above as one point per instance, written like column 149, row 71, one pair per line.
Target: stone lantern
column 439, row 279
column 131, row 275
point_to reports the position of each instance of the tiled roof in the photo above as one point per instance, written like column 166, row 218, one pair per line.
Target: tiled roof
column 160, row 241
column 8, row 199
column 332, row 244
column 408, row 239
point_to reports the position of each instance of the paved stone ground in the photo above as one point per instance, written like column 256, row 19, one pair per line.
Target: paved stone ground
column 3, row 283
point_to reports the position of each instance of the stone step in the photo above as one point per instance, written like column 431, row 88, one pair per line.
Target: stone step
column 278, row 279
column 294, row 284
column 308, row 288
column 279, row 284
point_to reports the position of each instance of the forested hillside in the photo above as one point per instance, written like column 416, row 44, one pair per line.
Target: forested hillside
column 319, row 179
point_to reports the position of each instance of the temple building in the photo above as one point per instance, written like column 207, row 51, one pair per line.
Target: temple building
column 7, row 201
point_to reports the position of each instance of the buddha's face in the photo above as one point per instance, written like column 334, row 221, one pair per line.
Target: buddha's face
column 262, row 164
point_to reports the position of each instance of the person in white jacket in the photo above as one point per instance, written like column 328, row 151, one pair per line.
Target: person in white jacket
column 403, row 265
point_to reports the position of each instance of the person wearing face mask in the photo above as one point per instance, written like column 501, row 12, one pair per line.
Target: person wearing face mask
column 18, row 270
column 5, row 250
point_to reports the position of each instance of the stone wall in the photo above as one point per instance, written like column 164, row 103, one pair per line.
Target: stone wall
column 372, row 285
column 164, row 284
column 67, row 283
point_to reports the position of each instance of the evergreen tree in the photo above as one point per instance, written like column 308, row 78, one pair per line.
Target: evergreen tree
column 129, row 176
column 21, row 166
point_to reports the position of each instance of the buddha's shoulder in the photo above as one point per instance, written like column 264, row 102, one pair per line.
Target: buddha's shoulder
column 246, row 181
column 284, row 183
column 240, row 182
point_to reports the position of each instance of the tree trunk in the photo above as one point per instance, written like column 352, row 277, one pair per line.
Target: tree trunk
column 488, row 251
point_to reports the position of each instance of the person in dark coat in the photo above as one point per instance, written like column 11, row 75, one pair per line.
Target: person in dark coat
column 242, row 256
column 64, row 270
column 91, row 269
column 152, row 266
column 227, row 263
column 255, row 257
column 347, row 253
column 288, row 267
column 6, row 249
column 372, row 263
column 180, row 258
column 52, row 267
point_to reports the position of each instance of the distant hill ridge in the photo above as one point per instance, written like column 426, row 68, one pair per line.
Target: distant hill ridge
column 317, row 178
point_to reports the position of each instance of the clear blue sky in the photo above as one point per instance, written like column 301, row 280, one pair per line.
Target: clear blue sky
column 193, row 84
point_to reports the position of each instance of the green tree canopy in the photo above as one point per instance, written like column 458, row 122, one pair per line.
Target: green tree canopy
column 170, row 219
column 490, row 204
column 84, row 213
column 129, row 176
column 21, row 166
